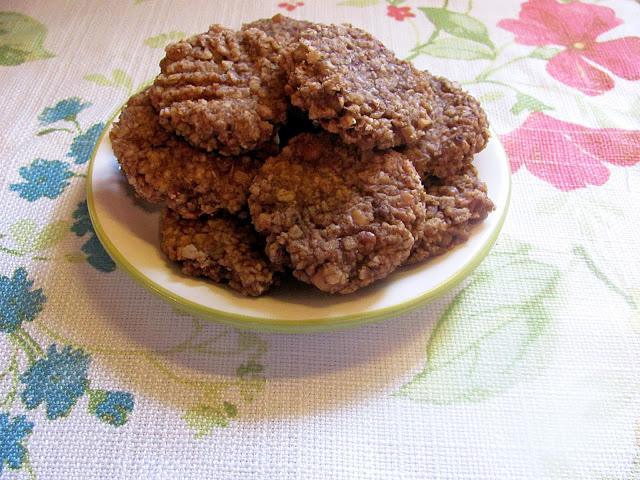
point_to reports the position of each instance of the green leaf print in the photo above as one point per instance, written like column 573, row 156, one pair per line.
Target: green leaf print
column 358, row 3
column 204, row 418
column 545, row 53
column 457, row 49
column 99, row 79
column 23, row 232
column 26, row 236
column 459, row 25
column 160, row 41
column 489, row 334
column 119, row 78
column 489, row 97
column 21, row 39
column 529, row 103
column 50, row 235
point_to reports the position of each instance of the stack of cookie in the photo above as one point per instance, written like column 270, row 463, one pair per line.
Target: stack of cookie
column 296, row 148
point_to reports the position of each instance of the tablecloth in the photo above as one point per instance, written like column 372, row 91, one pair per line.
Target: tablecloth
column 530, row 369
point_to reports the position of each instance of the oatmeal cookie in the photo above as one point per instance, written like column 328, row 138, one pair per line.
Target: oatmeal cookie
column 355, row 87
column 163, row 168
column 283, row 30
column 222, row 90
column 222, row 248
column 460, row 129
column 340, row 218
column 454, row 205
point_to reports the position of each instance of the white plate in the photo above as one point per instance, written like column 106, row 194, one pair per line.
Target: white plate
column 130, row 235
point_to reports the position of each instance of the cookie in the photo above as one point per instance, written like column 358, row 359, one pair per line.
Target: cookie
column 454, row 205
column 163, row 168
column 338, row 217
column 460, row 130
column 222, row 248
column 222, row 90
column 355, row 87
column 283, row 30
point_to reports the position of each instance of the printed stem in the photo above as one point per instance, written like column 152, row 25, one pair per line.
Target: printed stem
column 80, row 175
column 15, row 253
column 185, row 345
column 28, row 338
column 445, row 4
column 433, row 36
column 13, row 370
column 489, row 70
column 469, row 7
column 28, row 345
column 416, row 50
column 416, row 32
column 51, row 130
column 26, row 465
column 582, row 253
column 502, row 48
column 493, row 82
column 19, row 343
column 91, row 391
column 77, row 125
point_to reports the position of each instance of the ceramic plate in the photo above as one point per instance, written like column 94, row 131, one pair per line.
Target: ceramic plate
column 129, row 232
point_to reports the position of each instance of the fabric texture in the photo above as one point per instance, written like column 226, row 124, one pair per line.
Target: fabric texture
column 528, row 370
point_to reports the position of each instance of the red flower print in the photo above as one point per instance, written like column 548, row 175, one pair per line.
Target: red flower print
column 290, row 6
column 569, row 156
column 399, row 13
column 576, row 26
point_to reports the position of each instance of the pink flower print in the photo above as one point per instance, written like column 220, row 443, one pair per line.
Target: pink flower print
column 290, row 6
column 569, row 156
column 576, row 26
column 399, row 13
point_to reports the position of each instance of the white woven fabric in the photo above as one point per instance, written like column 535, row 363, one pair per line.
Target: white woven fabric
column 529, row 370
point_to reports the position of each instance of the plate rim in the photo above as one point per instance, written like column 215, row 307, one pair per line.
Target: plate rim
column 307, row 325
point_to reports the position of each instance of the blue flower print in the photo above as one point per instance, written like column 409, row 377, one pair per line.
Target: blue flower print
column 66, row 109
column 17, row 302
column 82, row 145
column 111, row 407
column 97, row 256
column 82, row 224
column 58, row 380
column 13, row 433
column 44, row 178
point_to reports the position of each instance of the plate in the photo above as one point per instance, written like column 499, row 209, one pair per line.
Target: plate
column 129, row 232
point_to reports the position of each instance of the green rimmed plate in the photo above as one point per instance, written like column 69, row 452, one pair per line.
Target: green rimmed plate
column 129, row 233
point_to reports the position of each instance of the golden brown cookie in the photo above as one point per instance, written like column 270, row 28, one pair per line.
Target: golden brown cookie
column 222, row 90
column 340, row 218
column 163, row 168
column 454, row 205
column 355, row 87
column 283, row 30
column 222, row 248
column 460, row 130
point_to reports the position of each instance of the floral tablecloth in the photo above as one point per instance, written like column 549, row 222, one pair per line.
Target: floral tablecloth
column 529, row 369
